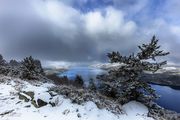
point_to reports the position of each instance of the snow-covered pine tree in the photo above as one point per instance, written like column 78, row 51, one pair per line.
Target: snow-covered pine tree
column 13, row 63
column 31, row 68
column 2, row 61
column 92, row 85
column 123, row 82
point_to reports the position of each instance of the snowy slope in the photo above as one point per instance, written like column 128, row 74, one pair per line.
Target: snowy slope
column 11, row 108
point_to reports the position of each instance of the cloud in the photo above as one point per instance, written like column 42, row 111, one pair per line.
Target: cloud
column 168, row 35
column 53, row 30
column 85, row 30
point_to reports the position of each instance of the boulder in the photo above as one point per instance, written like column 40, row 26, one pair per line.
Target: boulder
column 39, row 103
column 25, row 97
column 29, row 96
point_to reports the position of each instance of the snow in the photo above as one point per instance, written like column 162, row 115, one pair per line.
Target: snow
column 64, row 109
column 169, row 68
column 134, row 108
column 25, row 95
column 105, row 65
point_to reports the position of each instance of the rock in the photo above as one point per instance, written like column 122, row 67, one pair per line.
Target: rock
column 12, row 98
column 30, row 93
column 6, row 112
column 33, row 102
column 52, row 104
column 41, row 103
column 52, row 93
column 27, row 106
column 29, row 96
column 56, row 101
column 24, row 97
column 78, row 115
column 66, row 111
column 18, row 102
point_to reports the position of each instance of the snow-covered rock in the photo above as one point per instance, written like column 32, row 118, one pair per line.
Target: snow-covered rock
column 12, row 108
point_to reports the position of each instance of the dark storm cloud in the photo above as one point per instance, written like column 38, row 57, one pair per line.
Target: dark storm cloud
column 85, row 30
column 38, row 39
column 51, row 30
column 24, row 33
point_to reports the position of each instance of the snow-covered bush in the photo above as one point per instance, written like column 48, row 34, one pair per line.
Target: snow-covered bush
column 33, row 65
column 81, row 96
column 29, row 68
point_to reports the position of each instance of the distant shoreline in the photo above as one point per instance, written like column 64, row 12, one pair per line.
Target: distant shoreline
column 161, row 84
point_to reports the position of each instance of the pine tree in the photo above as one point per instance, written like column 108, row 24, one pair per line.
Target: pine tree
column 14, row 63
column 92, row 85
column 78, row 82
column 31, row 68
column 123, row 82
column 2, row 61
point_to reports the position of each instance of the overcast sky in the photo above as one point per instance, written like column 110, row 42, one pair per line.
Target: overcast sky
column 85, row 30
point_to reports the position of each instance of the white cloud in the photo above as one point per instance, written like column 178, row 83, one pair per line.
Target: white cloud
column 175, row 30
column 104, row 27
column 63, row 18
column 111, row 23
column 109, row 29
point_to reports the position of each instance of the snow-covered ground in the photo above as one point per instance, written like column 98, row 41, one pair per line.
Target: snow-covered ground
column 12, row 108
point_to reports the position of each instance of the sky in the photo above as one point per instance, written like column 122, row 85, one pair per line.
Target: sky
column 85, row 30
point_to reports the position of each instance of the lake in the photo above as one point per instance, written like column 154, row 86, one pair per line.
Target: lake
column 170, row 98
column 86, row 72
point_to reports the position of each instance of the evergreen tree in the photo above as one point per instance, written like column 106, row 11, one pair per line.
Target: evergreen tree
column 79, row 81
column 92, row 85
column 31, row 68
column 2, row 61
column 14, row 63
column 123, row 82
column 33, row 65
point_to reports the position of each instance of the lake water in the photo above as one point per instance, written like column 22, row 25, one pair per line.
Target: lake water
column 86, row 72
column 170, row 98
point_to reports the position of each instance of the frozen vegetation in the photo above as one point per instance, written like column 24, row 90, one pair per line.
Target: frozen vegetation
column 14, row 108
